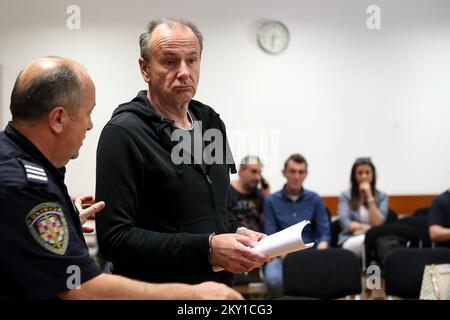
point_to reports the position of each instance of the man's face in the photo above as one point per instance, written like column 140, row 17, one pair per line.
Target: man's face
column 81, row 122
column 250, row 175
column 295, row 173
column 174, row 67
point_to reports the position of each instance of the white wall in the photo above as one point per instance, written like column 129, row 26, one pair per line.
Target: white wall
column 338, row 92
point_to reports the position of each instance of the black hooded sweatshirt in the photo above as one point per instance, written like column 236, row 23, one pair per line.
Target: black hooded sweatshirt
column 159, row 215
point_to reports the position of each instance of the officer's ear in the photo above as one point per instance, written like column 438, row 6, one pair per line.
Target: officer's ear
column 57, row 118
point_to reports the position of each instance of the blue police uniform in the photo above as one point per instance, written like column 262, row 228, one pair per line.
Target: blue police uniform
column 43, row 252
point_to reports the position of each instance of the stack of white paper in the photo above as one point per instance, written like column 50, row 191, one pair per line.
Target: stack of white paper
column 283, row 242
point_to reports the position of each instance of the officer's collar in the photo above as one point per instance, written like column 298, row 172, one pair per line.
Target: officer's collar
column 33, row 151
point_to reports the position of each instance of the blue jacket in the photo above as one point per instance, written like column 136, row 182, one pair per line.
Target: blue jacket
column 281, row 212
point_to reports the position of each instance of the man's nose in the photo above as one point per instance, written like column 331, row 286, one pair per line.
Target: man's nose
column 183, row 71
column 90, row 125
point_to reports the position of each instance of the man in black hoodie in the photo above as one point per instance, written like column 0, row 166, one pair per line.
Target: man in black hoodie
column 167, row 217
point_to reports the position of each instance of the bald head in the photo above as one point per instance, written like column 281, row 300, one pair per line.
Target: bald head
column 47, row 83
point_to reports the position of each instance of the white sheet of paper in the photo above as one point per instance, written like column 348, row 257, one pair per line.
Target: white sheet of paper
column 284, row 242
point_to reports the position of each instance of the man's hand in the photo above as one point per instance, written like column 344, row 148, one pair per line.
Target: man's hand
column 255, row 236
column 322, row 245
column 232, row 252
column 87, row 210
column 215, row 291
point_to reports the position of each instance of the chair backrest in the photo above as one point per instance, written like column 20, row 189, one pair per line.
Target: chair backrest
column 404, row 269
column 391, row 217
column 422, row 211
column 391, row 229
column 335, row 229
column 324, row 274
column 419, row 223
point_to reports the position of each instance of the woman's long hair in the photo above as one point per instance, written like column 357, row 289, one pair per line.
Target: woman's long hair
column 355, row 193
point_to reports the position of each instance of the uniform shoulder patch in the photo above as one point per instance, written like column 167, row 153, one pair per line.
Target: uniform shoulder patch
column 34, row 172
column 48, row 226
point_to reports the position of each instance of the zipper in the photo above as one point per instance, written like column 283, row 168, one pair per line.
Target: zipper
column 209, row 182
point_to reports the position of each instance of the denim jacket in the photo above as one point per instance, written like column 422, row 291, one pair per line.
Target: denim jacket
column 347, row 215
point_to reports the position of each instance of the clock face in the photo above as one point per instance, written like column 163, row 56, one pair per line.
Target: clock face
column 273, row 37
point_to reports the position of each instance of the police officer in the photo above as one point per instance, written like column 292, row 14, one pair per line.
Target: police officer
column 43, row 254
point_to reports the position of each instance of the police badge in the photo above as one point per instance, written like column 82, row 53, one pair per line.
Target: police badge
column 48, row 226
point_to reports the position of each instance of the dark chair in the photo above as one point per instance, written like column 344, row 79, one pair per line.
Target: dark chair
column 419, row 222
column 391, row 217
column 422, row 211
column 335, row 229
column 413, row 229
column 404, row 269
column 375, row 234
column 322, row 274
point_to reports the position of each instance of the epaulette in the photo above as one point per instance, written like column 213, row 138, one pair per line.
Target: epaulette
column 34, row 172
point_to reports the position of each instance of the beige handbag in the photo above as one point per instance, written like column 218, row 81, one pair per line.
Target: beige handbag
column 436, row 282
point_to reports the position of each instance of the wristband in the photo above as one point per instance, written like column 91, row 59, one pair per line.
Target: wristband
column 210, row 251
column 371, row 199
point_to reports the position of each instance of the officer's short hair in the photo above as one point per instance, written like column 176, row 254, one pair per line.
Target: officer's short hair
column 60, row 86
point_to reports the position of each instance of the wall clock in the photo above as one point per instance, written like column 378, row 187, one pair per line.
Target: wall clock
column 273, row 37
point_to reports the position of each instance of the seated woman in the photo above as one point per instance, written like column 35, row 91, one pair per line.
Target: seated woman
column 362, row 207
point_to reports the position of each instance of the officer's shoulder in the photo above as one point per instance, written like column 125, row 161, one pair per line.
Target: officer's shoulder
column 19, row 171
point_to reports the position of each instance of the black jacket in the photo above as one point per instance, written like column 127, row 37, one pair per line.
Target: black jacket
column 158, row 215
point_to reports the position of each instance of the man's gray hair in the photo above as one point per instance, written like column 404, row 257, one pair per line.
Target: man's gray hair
column 249, row 159
column 144, row 39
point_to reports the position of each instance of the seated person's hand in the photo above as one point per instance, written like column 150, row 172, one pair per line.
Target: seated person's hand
column 88, row 210
column 366, row 189
column 216, row 291
column 322, row 245
column 265, row 187
column 363, row 228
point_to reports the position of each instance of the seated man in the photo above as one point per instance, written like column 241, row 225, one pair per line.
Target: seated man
column 246, row 203
column 246, row 199
column 439, row 220
column 290, row 205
